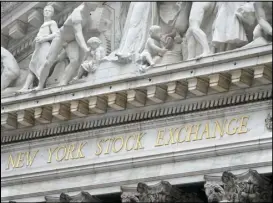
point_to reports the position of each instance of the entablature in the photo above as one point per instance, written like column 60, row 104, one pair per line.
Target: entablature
column 219, row 73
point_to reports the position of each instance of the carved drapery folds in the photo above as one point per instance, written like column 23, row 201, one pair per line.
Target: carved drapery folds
column 246, row 187
column 167, row 32
column 81, row 197
column 161, row 192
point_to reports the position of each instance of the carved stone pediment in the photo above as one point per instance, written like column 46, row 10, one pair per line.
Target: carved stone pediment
column 161, row 192
column 246, row 187
column 81, row 197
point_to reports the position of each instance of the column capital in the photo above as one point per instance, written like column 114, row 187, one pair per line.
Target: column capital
column 246, row 187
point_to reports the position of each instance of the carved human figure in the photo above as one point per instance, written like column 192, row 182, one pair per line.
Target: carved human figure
column 46, row 34
column 174, row 21
column 230, row 187
column 70, row 34
column 144, row 195
column 139, row 19
column 228, row 31
column 97, row 53
column 263, row 15
column 174, row 16
column 199, row 11
column 263, row 11
column 9, row 68
column 153, row 49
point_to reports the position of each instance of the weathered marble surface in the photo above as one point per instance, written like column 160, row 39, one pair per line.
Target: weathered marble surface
column 189, row 30
column 231, row 151
column 12, row 77
column 249, row 186
column 46, row 34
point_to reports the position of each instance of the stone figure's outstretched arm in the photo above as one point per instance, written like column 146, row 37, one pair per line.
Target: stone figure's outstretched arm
column 261, row 17
column 79, row 37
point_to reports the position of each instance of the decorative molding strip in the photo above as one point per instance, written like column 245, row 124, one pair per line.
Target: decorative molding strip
column 219, row 101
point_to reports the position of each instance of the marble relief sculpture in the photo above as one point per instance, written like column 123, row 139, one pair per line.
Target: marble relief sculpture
column 135, row 33
column 262, row 33
column 228, row 31
column 199, row 11
column 96, row 54
column 70, row 35
column 154, row 33
column 46, row 34
column 153, row 49
column 173, row 18
column 10, row 70
column 263, row 11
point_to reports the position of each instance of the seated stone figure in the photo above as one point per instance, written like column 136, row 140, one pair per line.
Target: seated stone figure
column 10, row 70
column 153, row 49
column 97, row 53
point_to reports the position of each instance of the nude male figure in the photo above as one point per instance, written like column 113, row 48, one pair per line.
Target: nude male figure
column 71, row 34
column 194, row 33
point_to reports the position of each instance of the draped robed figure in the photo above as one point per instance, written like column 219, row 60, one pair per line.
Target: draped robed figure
column 141, row 16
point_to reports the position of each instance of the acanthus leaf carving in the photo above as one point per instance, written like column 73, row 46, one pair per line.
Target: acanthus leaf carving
column 81, row 197
column 247, row 187
column 161, row 192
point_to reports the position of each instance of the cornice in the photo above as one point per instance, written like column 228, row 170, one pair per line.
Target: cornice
column 225, row 72
column 7, row 7
column 117, row 122
column 221, row 62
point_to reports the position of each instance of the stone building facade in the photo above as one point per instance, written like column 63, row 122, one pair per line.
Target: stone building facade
column 167, row 107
